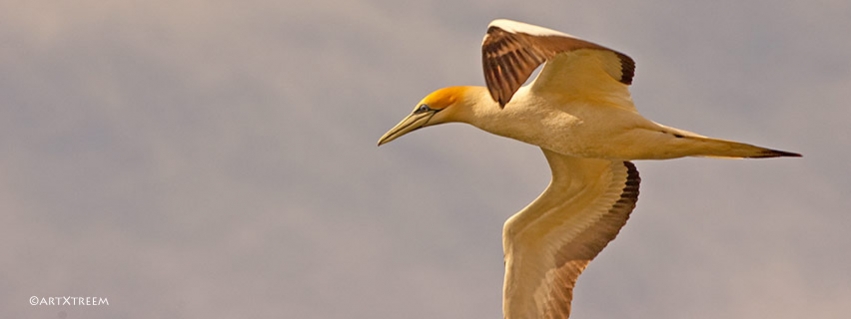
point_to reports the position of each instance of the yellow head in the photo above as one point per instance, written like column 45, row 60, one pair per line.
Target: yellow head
column 440, row 106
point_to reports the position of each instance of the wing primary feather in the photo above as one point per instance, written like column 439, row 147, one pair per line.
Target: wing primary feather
column 512, row 55
column 577, row 254
column 609, row 224
column 513, row 65
column 627, row 68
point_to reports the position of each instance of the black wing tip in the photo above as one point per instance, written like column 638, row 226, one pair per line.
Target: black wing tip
column 629, row 194
column 627, row 68
column 632, row 180
column 632, row 171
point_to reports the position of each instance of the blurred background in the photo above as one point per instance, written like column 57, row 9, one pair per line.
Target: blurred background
column 191, row 159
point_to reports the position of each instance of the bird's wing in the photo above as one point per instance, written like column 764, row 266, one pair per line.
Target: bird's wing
column 550, row 242
column 575, row 68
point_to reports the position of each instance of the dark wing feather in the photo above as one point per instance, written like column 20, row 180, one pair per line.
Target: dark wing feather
column 549, row 243
column 510, row 56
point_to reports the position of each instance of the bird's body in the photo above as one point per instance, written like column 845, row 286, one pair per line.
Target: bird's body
column 588, row 128
column 580, row 112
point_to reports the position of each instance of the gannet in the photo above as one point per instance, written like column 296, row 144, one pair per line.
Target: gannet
column 579, row 111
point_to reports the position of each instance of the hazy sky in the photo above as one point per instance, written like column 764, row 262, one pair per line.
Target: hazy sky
column 217, row 159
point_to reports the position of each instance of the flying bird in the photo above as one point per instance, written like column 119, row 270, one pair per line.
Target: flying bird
column 579, row 111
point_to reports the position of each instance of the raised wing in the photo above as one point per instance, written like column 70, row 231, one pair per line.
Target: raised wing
column 550, row 242
column 511, row 51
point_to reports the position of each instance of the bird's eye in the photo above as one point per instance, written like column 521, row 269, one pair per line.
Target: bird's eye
column 423, row 108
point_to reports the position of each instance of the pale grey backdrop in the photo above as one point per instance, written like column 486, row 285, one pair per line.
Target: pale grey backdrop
column 217, row 159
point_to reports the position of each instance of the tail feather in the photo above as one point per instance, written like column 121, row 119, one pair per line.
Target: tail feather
column 710, row 147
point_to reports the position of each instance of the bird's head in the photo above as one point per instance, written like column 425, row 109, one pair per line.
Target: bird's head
column 440, row 106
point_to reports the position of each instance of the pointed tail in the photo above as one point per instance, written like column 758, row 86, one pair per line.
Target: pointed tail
column 711, row 147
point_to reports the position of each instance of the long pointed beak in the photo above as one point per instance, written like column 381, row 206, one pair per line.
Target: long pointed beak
column 409, row 124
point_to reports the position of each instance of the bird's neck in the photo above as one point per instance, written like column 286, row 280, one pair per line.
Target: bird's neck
column 516, row 120
column 476, row 106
